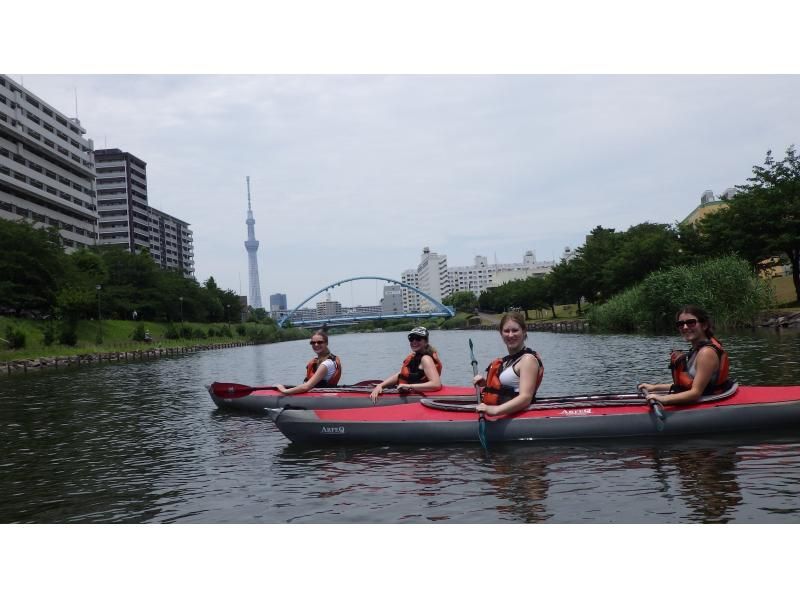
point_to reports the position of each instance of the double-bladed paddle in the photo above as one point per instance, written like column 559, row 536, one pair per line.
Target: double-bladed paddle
column 481, row 418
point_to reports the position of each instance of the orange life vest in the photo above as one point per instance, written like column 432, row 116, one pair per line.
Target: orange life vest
column 311, row 368
column 494, row 393
column 682, row 379
column 412, row 373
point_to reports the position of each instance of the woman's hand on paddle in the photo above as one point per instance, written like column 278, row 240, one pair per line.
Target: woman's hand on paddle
column 479, row 380
column 647, row 387
column 281, row 388
column 487, row 409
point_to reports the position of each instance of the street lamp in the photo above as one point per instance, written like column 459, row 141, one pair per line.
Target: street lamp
column 181, row 300
column 99, row 316
column 227, row 307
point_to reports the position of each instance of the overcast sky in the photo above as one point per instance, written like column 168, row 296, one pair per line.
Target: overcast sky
column 354, row 175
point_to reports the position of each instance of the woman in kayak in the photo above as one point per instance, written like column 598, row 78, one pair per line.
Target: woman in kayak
column 511, row 382
column 701, row 371
column 421, row 370
column 323, row 370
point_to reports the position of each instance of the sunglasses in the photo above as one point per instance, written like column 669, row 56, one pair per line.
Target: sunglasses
column 412, row 339
column 691, row 323
column 316, row 343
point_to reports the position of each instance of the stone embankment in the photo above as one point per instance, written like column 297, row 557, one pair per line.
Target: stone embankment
column 548, row 326
column 23, row 365
column 791, row 320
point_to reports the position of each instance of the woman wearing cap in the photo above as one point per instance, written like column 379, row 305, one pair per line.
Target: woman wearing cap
column 704, row 370
column 421, row 369
column 511, row 382
column 325, row 369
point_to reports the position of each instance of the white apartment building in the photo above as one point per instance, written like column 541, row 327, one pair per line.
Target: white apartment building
column 432, row 277
column 411, row 300
column 171, row 243
column 328, row 308
column 47, row 173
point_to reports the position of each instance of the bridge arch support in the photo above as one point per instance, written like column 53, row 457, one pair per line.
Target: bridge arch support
column 443, row 309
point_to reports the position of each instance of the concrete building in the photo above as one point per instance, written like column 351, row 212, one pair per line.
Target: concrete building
column 432, row 277
column 411, row 300
column 482, row 275
column 47, row 171
column 277, row 302
column 171, row 242
column 392, row 302
column 709, row 204
column 122, row 208
column 328, row 308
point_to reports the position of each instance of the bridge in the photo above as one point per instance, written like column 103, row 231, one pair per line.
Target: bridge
column 440, row 310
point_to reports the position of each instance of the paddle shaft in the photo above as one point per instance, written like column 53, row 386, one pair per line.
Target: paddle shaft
column 481, row 418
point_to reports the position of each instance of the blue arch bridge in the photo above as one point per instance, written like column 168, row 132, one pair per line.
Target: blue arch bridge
column 439, row 309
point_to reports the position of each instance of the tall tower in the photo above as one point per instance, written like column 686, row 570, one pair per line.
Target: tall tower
column 252, row 248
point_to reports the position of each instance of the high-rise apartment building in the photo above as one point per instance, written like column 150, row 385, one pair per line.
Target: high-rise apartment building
column 411, row 300
column 432, row 277
column 122, row 208
column 171, row 243
column 277, row 302
column 47, row 171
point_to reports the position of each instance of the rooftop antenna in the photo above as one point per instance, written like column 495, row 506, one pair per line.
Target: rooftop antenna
column 76, row 103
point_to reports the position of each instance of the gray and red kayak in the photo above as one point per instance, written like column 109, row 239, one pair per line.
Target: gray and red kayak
column 230, row 395
column 557, row 418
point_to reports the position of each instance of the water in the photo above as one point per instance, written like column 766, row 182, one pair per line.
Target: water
column 142, row 442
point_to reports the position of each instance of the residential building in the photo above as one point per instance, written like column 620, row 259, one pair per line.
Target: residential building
column 328, row 308
column 171, row 243
column 432, row 277
column 47, row 171
column 392, row 302
column 411, row 300
column 122, row 208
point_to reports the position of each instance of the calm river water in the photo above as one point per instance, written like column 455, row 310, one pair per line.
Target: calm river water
column 142, row 442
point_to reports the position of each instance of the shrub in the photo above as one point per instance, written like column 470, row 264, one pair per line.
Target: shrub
column 15, row 337
column 49, row 334
column 241, row 330
column 197, row 333
column 226, row 331
column 726, row 287
column 138, row 333
column 186, row 331
column 171, row 332
column 68, row 334
column 212, row 332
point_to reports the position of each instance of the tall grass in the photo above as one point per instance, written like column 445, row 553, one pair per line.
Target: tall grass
column 726, row 287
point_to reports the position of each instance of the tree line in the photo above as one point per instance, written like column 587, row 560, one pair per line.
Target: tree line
column 38, row 279
column 760, row 225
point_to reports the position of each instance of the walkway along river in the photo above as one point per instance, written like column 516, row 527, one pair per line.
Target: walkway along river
column 142, row 442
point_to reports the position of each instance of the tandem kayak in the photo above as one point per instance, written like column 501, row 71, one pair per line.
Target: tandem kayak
column 432, row 421
column 230, row 395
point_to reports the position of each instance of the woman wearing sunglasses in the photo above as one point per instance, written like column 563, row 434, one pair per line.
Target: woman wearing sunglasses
column 701, row 371
column 323, row 370
column 421, row 370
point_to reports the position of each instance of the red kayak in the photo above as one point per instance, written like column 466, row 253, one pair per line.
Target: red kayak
column 571, row 417
column 230, row 395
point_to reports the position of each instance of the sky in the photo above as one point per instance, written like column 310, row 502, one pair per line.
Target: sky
column 355, row 169
column 352, row 175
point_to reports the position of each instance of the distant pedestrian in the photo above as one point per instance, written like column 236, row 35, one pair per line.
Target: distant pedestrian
column 135, row 315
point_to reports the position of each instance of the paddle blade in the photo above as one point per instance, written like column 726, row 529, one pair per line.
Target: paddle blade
column 482, row 433
column 230, row 390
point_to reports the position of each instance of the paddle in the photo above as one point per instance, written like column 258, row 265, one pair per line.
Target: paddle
column 656, row 408
column 481, row 418
column 232, row 390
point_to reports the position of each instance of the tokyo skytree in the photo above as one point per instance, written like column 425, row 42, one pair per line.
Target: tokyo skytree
column 254, row 299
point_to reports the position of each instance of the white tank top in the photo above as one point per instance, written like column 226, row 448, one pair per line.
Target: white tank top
column 330, row 368
column 508, row 377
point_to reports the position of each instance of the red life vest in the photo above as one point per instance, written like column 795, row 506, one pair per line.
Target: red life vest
column 311, row 368
column 412, row 373
column 682, row 380
column 494, row 393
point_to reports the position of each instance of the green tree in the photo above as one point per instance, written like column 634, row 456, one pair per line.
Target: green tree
column 30, row 266
column 465, row 301
column 763, row 219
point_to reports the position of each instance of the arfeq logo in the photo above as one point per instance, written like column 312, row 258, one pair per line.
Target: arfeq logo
column 333, row 429
column 576, row 412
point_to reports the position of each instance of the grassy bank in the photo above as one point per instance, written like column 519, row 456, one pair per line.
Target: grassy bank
column 118, row 335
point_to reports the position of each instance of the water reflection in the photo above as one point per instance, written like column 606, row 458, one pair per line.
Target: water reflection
column 142, row 442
